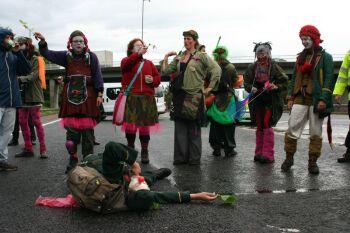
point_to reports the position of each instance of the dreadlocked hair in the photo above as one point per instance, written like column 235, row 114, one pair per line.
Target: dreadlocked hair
column 257, row 44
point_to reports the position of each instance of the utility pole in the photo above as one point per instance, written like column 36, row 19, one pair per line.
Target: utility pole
column 143, row 9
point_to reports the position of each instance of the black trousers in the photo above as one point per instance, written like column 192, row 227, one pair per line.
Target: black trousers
column 347, row 140
column 222, row 136
column 87, row 139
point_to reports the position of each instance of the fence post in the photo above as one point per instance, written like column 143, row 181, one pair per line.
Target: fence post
column 53, row 94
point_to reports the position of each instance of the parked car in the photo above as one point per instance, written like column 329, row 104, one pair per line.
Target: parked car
column 159, row 94
column 112, row 91
column 110, row 96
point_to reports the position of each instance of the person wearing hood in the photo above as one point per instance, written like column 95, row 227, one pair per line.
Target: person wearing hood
column 82, row 92
column 141, row 113
column 268, row 83
column 32, row 100
column 118, row 165
column 13, row 63
column 222, row 126
column 309, row 97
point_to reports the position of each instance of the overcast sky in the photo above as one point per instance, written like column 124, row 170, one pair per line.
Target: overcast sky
column 111, row 24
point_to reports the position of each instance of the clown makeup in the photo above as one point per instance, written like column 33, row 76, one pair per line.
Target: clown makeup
column 78, row 44
column 307, row 41
column 261, row 54
column 137, row 46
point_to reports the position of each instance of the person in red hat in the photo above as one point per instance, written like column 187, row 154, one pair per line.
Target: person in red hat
column 82, row 93
column 309, row 97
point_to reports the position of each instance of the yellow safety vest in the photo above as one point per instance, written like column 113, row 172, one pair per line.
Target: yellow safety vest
column 343, row 81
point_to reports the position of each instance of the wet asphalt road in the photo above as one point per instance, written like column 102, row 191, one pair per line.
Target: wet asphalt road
column 311, row 204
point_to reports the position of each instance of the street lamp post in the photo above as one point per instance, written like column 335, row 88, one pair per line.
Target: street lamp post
column 143, row 6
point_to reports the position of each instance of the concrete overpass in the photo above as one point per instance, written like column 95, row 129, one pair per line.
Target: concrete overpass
column 113, row 74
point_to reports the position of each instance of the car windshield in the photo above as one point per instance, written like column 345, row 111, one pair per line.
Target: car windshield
column 112, row 92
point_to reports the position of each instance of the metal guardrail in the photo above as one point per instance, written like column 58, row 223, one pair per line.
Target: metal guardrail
column 233, row 59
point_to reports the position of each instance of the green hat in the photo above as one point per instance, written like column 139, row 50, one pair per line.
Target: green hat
column 113, row 157
column 191, row 33
column 220, row 52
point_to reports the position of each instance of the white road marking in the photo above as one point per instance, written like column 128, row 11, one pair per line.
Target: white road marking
column 283, row 229
column 51, row 122
column 48, row 123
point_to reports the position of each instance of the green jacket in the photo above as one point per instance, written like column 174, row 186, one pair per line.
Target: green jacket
column 280, row 79
column 343, row 81
column 196, row 71
column 323, row 82
column 33, row 93
column 229, row 71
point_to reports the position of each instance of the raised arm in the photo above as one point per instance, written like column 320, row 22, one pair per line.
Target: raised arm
column 130, row 61
column 57, row 57
column 166, row 68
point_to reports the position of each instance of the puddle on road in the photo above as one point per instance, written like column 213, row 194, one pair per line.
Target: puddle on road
column 262, row 191
column 283, row 229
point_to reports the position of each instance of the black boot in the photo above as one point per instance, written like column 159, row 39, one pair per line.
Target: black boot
column 33, row 141
column 96, row 143
column 24, row 154
column 231, row 153
column 217, row 152
column 13, row 143
column 161, row 173
column 5, row 166
column 288, row 162
column 313, row 168
column 72, row 163
column 144, row 156
column 345, row 158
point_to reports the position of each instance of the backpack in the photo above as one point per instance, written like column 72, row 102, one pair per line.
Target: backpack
column 92, row 191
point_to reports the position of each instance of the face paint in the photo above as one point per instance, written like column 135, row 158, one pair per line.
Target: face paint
column 78, row 44
column 262, row 55
column 307, row 42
